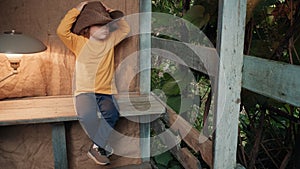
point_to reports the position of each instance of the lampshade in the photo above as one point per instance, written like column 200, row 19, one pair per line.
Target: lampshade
column 17, row 43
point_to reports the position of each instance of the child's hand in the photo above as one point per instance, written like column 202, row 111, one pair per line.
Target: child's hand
column 107, row 8
column 81, row 5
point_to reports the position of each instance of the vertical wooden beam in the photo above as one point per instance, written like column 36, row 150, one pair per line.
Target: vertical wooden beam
column 145, row 74
column 59, row 146
column 145, row 138
column 145, row 46
column 231, row 24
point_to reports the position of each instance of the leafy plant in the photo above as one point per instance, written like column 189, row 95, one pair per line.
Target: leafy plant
column 269, row 135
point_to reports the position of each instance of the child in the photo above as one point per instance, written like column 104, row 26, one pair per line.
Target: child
column 88, row 32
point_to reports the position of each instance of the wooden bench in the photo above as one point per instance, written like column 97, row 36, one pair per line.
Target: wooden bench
column 59, row 109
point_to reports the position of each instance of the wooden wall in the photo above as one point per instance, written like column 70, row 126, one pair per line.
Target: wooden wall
column 50, row 73
column 30, row 147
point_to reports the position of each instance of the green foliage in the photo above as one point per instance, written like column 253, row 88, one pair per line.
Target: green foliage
column 197, row 16
column 174, row 102
column 163, row 159
column 166, row 161
column 262, row 6
column 273, row 27
column 273, row 37
column 170, row 87
column 270, row 35
column 167, row 6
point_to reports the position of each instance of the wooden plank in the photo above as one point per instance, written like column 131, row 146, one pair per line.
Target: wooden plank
column 61, row 108
column 36, row 110
column 139, row 105
column 190, row 135
column 232, row 14
column 168, row 138
column 186, row 158
column 183, row 155
column 59, row 146
column 36, row 120
column 139, row 166
column 273, row 79
column 200, row 58
column 145, row 46
column 145, row 72
column 145, row 138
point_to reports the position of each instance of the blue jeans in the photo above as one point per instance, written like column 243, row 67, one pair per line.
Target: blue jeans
column 98, row 114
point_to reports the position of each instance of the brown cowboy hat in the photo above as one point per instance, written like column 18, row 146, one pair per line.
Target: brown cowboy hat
column 94, row 13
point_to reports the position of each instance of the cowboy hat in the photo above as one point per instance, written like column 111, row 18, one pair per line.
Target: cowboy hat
column 94, row 13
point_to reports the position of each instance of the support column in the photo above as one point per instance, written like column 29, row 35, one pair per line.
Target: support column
column 59, row 146
column 230, row 43
column 145, row 74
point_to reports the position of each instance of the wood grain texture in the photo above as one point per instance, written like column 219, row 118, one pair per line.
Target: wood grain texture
column 183, row 155
column 61, row 108
column 50, row 74
column 59, row 146
column 273, row 79
column 200, row 58
column 232, row 15
column 191, row 136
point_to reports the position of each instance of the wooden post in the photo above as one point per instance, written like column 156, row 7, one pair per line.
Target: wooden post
column 59, row 146
column 145, row 46
column 231, row 24
column 145, row 74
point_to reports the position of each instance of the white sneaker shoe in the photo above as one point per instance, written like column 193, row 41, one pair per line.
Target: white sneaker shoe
column 109, row 150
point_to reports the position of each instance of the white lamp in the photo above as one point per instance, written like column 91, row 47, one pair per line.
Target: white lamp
column 14, row 44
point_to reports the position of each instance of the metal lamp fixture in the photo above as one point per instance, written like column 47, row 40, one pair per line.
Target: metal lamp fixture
column 14, row 44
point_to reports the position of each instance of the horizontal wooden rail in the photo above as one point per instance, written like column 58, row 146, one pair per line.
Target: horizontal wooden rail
column 61, row 108
column 277, row 80
column 201, row 58
column 273, row 79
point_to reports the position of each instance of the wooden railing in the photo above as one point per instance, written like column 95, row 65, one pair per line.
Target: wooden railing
column 273, row 79
column 259, row 75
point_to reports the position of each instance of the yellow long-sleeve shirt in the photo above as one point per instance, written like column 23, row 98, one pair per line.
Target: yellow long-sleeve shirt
column 94, row 59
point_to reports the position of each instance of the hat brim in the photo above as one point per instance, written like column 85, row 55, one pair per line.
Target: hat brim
column 94, row 13
column 116, row 14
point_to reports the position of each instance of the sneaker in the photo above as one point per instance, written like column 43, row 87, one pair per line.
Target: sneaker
column 98, row 154
column 109, row 150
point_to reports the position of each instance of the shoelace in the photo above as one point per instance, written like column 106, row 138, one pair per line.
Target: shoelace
column 102, row 151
